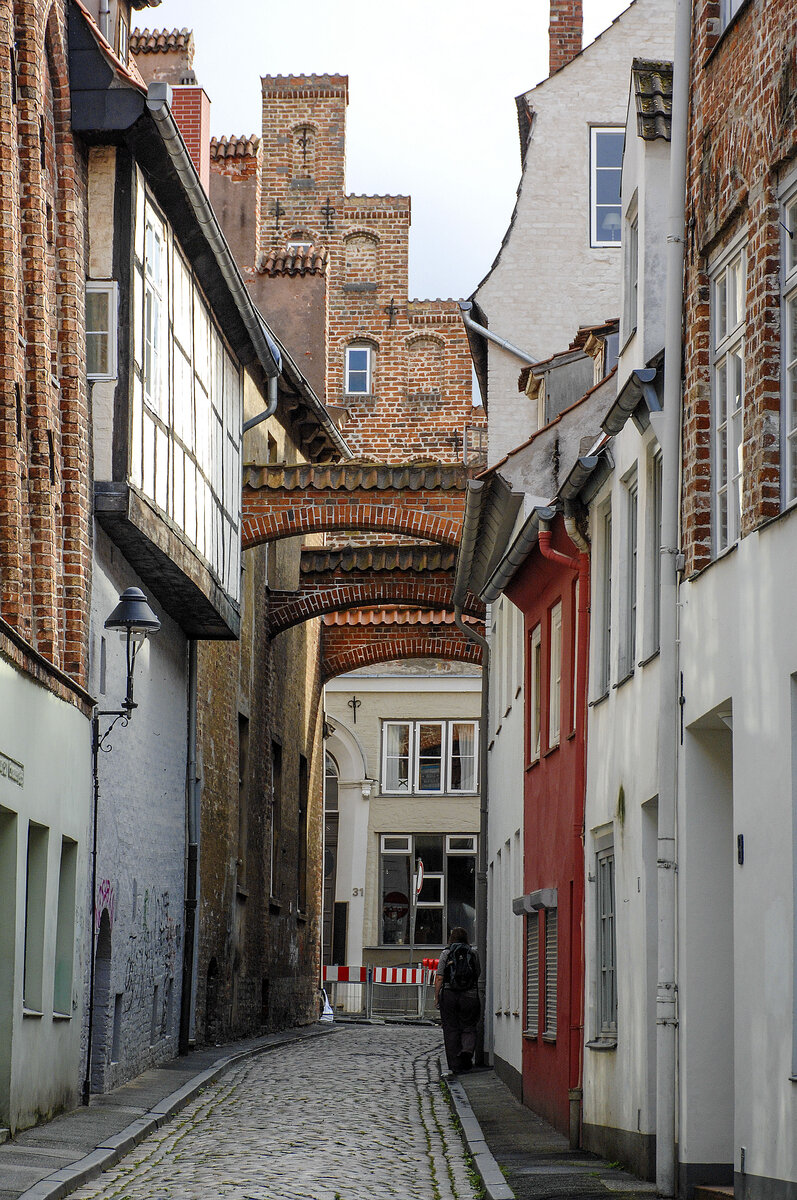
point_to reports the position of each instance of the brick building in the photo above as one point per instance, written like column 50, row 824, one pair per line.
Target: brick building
column 45, row 570
column 738, row 653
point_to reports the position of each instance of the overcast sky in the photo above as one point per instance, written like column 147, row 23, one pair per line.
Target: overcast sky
column 432, row 86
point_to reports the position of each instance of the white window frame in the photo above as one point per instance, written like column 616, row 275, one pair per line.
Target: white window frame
column 654, row 508
column 447, row 746
column 408, row 849
column 155, row 301
column 631, row 281
column 595, row 132
column 109, row 289
column 551, row 997
column 728, row 10
column 606, row 943
column 535, row 692
column 788, row 275
column 630, row 640
column 555, row 649
column 727, row 275
column 369, row 370
column 604, row 642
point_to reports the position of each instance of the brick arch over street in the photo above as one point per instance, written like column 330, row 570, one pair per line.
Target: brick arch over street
column 367, row 639
column 367, row 577
column 423, row 501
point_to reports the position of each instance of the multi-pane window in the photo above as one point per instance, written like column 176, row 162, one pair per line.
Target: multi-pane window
column 447, row 897
column 606, row 168
column 727, row 320
column 359, row 366
column 632, row 542
column 187, row 401
column 429, row 757
column 100, row 330
column 532, row 974
column 789, row 349
column 535, row 687
column 605, row 609
column 551, row 971
column 607, row 973
column 555, row 676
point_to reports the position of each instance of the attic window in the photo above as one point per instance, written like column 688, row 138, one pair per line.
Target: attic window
column 124, row 39
column 606, row 167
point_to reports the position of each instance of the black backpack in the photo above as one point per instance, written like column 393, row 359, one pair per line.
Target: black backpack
column 461, row 972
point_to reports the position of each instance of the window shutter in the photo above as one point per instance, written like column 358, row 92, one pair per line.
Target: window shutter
column 551, row 969
column 532, row 973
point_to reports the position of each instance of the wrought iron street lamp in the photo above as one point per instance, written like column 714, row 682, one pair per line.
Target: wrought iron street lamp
column 135, row 621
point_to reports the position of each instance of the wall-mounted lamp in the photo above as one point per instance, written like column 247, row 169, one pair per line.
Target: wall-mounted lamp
column 135, row 621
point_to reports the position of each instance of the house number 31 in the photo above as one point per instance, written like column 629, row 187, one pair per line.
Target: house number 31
column 358, row 891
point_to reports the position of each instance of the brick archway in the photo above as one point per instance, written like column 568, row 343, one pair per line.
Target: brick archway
column 425, row 502
column 419, row 645
column 365, row 638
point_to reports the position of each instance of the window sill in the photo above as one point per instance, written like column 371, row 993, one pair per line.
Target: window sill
column 529, row 1036
column 602, row 1044
column 598, row 700
column 570, row 735
column 550, row 750
column 624, row 346
column 32, row 1012
column 534, row 763
column 242, row 891
column 549, row 1039
column 628, row 675
column 61, row 1016
column 301, row 917
column 274, row 905
column 723, row 554
column 643, row 662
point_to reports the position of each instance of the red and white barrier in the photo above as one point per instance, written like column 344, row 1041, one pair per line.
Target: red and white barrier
column 401, row 975
column 345, row 974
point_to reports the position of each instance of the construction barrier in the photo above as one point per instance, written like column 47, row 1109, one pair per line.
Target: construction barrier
column 397, row 993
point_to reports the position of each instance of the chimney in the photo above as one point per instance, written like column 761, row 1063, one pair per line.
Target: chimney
column 564, row 32
column 191, row 112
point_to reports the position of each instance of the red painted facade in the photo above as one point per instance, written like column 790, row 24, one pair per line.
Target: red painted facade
column 553, row 818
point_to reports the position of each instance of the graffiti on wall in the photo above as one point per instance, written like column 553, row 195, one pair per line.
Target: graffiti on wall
column 153, row 950
column 106, row 898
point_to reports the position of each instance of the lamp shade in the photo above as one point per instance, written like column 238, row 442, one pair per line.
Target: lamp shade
column 133, row 613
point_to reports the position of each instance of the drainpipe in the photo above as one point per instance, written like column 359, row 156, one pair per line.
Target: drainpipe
column 465, row 306
column 271, row 407
column 192, row 865
column 580, row 563
column 105, row 20
column 669, row 432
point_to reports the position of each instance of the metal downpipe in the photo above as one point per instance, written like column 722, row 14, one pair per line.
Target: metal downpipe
column 670, row 431
column 465, row 306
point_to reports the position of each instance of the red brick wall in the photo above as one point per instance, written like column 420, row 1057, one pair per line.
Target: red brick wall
column 45, row 565
column 564, row 32
column 191, row 111
column 742, row 138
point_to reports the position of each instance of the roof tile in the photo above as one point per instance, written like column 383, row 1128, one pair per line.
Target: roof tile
column 161, row 41
column 234, row 147
column 423, row 476
column 653, row 91
column 378, row 558
column 282, row 261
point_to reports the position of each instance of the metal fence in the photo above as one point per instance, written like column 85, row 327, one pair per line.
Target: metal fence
column 390, row 993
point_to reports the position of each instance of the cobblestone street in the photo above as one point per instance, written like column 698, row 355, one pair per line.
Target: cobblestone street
column 358, row 1115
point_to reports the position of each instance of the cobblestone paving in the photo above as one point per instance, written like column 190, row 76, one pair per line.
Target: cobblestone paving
column 358, row 1115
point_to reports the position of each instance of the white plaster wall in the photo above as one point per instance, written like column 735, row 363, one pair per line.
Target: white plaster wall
column 141, row 825
column 401, row 698
column 523, row 297
column 504, row 1016
column 622, row 749
column 51, row 739
column 739, row 654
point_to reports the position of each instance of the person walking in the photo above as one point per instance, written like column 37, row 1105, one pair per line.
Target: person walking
column 456, row 995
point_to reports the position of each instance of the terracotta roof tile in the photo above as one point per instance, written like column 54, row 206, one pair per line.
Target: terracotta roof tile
column 653, row 90
column 393, row 616
column 234, row 147
column 353, row 476
column 161, row 41
column 379, row 558
column 282, row 261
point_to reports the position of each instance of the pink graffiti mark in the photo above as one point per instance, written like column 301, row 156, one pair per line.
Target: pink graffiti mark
column 106, row 898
